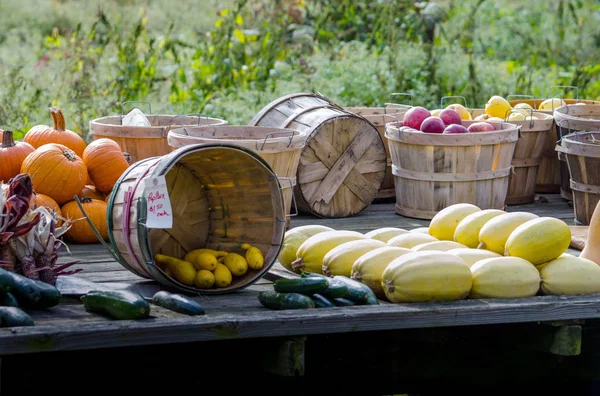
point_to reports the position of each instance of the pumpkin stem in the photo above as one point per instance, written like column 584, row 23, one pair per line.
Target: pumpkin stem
column 7, row 139
column 58, row 118
column 86, row 200
column 70, row 154
column 127, row 156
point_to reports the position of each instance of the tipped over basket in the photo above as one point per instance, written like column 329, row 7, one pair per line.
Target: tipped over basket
column 221, row 196
column 433, row 171
column 143, row 142
column 280, row 147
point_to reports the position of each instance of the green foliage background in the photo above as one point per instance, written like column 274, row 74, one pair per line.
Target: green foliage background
column 229, row 58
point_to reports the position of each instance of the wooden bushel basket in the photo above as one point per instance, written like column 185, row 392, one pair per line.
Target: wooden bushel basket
column 379, row 116
column 280, row 147
column 342, row 164
column 433, row 171
column 143, row 142
column 221, row 196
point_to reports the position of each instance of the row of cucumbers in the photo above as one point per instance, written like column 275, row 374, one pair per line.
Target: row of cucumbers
column 17, row 292
column 313, row 290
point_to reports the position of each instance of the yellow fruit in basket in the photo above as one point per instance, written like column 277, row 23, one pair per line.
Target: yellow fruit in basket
column 539, row 240
column 497, row 106
column 203, row 261
column 440, row 246
column 462, row 111
column 424, row 230
column 255, row 258
column 411, row 240
column 369, row 267
column 236, row 264
column 488, row 118
column 204, row 279
column 467, row 231
column 385, row 234
column 184, row 272
column 339, row 260
column 311, row 253
column 552, row 104
column 191, row 255
column 516, row 117
column 504, row 277
column 443, row 224
column 495, row 232
column 436, row 112
column 471, row 256
column 426, row 276
column 292, row 241
column 222, row 275
column 568, row 274
column 523, row 105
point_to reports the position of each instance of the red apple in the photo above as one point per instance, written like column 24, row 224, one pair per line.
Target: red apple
column 414, row 117
column 455, row 128
column 433, row 124
column 450, row 116
column 481, row 127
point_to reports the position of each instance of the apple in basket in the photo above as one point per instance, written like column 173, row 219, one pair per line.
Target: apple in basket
column 455, row 128
column 415, row 116
column 450, row 116
column 481, row 126
column 433, row 124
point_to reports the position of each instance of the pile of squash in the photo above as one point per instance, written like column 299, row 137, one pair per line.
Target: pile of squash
column 61, row 166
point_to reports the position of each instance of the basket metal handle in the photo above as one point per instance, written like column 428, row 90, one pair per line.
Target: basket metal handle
column 330, row 102
column 453, row 97
column 293, row 196
column 509, row 97
column 564, row 87
column 558, row 124
column 290, row 133
column 510, row 111
column 401, row 94
column 135, row 101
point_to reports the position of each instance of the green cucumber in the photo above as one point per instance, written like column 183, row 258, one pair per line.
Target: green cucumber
column 6, row 281
column 25, row 290
column 177, row 303
column 117, row 304
column 336, row 288
column 8, row 300
column 276, row 300
column 301, row 285
column 342, row 302
column 50, row 296
column 371, row 297
column 14, row 317
column 321, row 301
column 356, row 292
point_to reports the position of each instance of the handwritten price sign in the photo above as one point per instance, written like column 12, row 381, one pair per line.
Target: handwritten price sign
column 159, row 213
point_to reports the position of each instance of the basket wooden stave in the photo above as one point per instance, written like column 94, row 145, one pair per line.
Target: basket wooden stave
column 221, row 195
column 379, row 116
column 143, row 142
column 279, row 147
column 423, row 164
column 342, row 165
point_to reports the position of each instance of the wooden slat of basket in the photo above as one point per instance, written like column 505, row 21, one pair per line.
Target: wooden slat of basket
column 317, row 171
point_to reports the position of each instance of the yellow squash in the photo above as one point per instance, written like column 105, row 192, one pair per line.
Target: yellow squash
column 426, row 276
column 255, row 258
column 424, row 230
column 312, row 251
column 440, row 246
column 539, row 240
column 504, row 277
column 384, row 234
column 471, row 256
column 467, row 231
column 191, row 255
column 568, row 274
column 236, row 264
column 204, row 279
column 495, row 232
column 369, row 267
column 293, row 239
column 339, row 260
column 444, row 223
column 222, row 275
column 411, row 240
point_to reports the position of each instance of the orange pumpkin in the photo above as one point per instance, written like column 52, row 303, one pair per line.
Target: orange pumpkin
column 88, row 181
column 55, row 171
column 90, row 192
column 105, row 162
column 80, row 231
column 49, row 203
column 39, row 135
column 12, row 155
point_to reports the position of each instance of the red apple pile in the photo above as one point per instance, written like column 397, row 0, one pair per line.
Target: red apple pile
column 448, row 121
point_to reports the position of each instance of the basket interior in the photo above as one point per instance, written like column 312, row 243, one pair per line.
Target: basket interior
column 222, row 197
column 157, row 120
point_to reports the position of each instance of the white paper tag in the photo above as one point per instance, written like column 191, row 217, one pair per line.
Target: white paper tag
column 158, row 213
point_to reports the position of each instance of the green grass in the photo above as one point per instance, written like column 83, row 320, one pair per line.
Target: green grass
column 88, row 57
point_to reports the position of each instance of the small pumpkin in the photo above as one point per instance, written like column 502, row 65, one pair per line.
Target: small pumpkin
column 12, row 155
column 49, row 203
column 56, row 171
column 39, row 135
column 105, row 162
column 90, row 192
column 80, row 231
column 88, row 181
